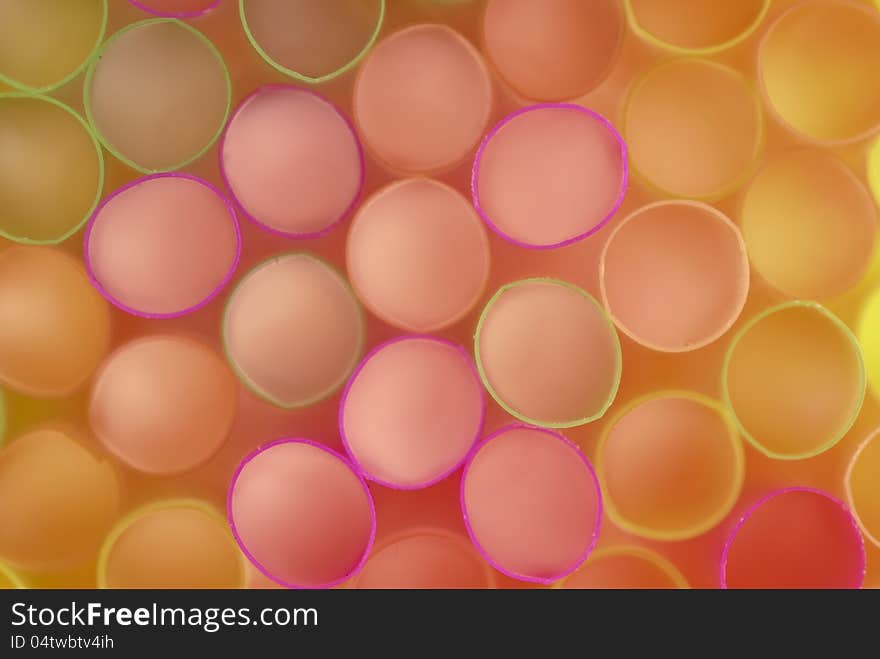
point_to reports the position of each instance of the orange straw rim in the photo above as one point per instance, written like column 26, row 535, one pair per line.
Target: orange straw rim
column 634, row 551
column 848, row 488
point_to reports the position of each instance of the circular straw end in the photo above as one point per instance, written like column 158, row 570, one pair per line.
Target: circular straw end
column 548, row 354
column 553, row 50
column 388, row 416
column 795, row 538
column 176, row 8
column 674, row 275
column 794, row 380
column 301, row 514
column 414, row 125
column 292, row 161
column 293, row 330
column 809, row 224
column 47, row 43
column 312, row 41
column 162, row 246
column 818, row 64
column 425, row 559
column 57, row 501
column 531, row 503
column 648, row 459
column 157, row 95
column 54, row 327
column 694, row 128
column 625, row 568
column 171, row 544
column 695, row 27
column 156, row 391
column 550, row 175
column 862, row 489
column 418, row 255
column 51, row 170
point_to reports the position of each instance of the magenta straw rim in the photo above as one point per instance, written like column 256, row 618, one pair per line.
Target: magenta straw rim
column 597, row 526
column 175, row 14
column 231, row 520
column 348, row 385
column 93, row 278
column 349, row 124
column 624, row 170
column 728, row 543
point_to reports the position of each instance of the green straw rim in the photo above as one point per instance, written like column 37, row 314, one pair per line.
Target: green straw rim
column 124, row 523
column 87, row 100
column 711, row 521
column 24, row 240
column 618, row 355
column 862, row 386
column 12, row 577
column 649, row 37
column 301, row 77
column 73, row 74
column 246, row 380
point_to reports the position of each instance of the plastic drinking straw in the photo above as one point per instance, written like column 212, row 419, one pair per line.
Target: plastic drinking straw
column 51, row 170
column 810, row 224
column 818, row 65
column 425, row 558
column 292, row 161
column 874, row 170
column 547, row 353
column 157, row 95
column 554, row 50
column 625, row 567
column 862, row 492
column 794, row 379
column 412, row 411
column 162, row 246
column 9, row 580
column 176, row 8
column 44, row 44
column 293, row 330
column 797, row 537
column 550, row 175
column 418, row 255
column 312, row 41
column 674, row 275
column 179, row 543
column 671, row 465
column 163, row 404
column 695, row 27
column 301, row 514
column 54, row 327
column 422, row 99
column 531, row 503
column 868, row 329
column 694, row 128
column 58, row 499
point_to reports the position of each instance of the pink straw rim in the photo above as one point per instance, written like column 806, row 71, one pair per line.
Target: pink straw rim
column 597, row 527
column 345, row 392
column 309, row 442
column 175, row 14
column 725, row 553
column 346, row 213
column 174, row 314
column 624, row 182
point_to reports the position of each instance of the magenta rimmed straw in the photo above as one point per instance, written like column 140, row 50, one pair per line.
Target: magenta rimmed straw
column 361, row 162
column 175, row 14
column 309, row 442
column 348, row 385
column 624, row 183
column 725, row 553
column 597, row 527
column 174, row 314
